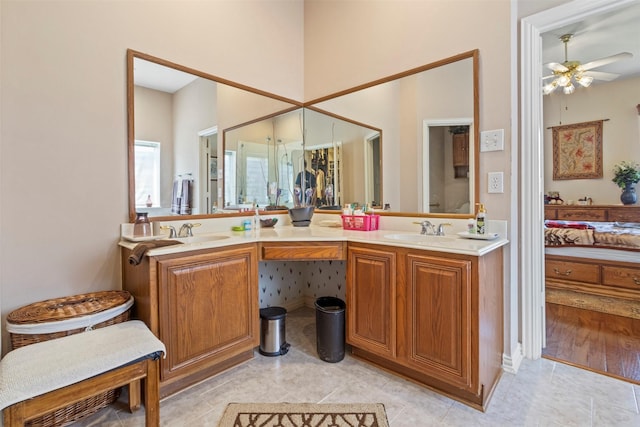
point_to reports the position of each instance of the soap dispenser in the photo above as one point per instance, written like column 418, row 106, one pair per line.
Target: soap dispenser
column 480, row 218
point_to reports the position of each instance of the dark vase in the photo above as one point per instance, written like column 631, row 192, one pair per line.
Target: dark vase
column 629, row 196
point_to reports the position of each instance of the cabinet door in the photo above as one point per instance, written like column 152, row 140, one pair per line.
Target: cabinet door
column 460, row 149
column 371, row 305
column 439, row 318
column 208, row 309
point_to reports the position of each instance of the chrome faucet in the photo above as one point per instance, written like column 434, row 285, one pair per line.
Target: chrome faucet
column 172, row 230
column 186, row 230
column 430, row 229
column 427, row 228
column 440, row 231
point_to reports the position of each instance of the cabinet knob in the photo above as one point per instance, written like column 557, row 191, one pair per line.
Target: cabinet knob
column 636, row 280
column 558, row 272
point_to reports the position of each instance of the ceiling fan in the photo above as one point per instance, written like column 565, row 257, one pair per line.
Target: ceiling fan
column 565, row 74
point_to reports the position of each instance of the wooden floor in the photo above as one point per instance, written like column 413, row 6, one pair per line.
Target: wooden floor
column 596, row 341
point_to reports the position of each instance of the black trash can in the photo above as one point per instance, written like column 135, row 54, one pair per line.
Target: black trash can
column 330, row 328
column 273, row 331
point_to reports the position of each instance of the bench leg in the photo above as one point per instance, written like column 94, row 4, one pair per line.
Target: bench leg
column 152, row 393
column 134, row 395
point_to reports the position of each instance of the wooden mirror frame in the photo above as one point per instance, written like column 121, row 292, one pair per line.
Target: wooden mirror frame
column 132, row 54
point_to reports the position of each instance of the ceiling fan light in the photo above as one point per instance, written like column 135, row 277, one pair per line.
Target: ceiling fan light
column 568, row 89
column 549, row 87
column 563, row 80
column 585, row 81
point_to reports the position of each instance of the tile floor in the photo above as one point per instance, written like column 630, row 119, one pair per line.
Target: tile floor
column 543, row 393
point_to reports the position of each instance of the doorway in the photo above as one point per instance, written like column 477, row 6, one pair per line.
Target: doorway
column 532, row 160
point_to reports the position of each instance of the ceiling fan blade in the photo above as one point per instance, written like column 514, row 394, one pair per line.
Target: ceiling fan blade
column 606, row 60
column 600, row 75
column 555, row 66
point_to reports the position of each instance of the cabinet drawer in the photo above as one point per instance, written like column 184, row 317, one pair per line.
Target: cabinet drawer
column 575, row 271
column 302, row 251
column 621, row 277
column 629, row 214
column 550, row 213
column 582, row 214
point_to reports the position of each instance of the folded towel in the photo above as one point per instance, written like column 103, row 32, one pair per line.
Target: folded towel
column 140, row 250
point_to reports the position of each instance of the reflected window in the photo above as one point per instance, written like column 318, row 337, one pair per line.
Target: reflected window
column 147, row 173
column 257, row 170
column 229, row 176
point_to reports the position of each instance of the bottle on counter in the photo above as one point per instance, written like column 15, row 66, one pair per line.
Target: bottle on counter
column 481, row 218
column 471, row 226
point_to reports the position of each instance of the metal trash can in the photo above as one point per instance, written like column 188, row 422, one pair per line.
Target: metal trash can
column 272, row 331
column 330, row 328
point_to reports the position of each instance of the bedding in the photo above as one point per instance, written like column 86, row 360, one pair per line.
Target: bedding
column 625, row 236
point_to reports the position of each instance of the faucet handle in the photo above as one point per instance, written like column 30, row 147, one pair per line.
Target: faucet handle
column 441, row 228
column 172, row 230
column 427, row 227
column 188, row 226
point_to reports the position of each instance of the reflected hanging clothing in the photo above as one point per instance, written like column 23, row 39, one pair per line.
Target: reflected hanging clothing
column 320, row 183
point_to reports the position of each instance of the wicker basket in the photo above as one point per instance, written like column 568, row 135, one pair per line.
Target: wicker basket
column 56, row 318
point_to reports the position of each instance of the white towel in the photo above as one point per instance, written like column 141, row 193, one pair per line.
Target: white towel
column 39, row 368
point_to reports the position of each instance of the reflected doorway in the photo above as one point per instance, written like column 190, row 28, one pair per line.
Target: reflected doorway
column 446, row 156
column 208, row 169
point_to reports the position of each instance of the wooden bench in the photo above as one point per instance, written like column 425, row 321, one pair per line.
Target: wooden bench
column 43, row 377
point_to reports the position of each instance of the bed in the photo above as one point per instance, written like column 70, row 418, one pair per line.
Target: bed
column 592, row 257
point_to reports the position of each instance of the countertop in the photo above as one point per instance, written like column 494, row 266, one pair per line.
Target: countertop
column 452, row 242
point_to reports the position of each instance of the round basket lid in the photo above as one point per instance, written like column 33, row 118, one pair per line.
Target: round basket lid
column 68, row 307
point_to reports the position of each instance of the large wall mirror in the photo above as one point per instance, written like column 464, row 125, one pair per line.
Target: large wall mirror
column 199, row 144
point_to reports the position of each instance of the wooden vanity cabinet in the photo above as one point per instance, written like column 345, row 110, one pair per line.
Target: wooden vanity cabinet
column 371, row 300
column 436, row 320
column 203, row 305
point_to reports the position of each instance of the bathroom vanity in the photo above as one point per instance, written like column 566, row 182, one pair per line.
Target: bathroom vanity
column 419, row 313
column 430, row 311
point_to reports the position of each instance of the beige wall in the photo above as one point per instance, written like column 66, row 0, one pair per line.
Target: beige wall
column 64, row 152
column 64, row 102
column 350, row 43
column 615, row 101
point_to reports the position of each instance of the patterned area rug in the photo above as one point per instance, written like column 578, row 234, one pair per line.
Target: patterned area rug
column 304, row 415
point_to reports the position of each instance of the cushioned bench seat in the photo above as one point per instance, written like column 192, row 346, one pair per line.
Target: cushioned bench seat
column 45, row 376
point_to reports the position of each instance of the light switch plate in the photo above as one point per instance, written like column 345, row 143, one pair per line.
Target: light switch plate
column 494, row 182
column 492, row 140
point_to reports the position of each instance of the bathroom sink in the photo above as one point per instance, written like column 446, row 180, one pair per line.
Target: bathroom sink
column 420, row 238
column 200, row 239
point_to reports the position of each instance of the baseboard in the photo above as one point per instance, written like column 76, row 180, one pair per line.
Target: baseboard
column 511, row 363
column 294, row 304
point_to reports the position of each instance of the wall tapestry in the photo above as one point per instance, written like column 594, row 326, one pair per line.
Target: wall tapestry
column 577, row 151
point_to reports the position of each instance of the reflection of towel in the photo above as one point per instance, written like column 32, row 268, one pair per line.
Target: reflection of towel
column 139, row 251
column 175, row 197
column 182, row 198
column 186, row 200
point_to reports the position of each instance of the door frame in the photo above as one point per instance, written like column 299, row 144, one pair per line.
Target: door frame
column 532, row 159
